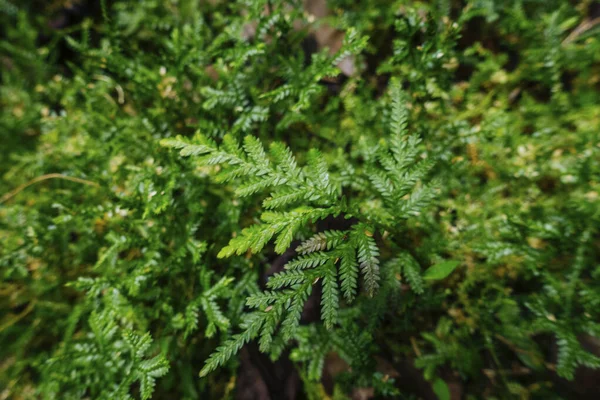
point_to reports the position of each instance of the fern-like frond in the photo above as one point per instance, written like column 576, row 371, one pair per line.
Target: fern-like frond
column 326, row 240
column 348, row 272
column 308, row 261
column 224, row 352
column 294, row 312
column 418, row 200
column 368, row 257
column 330, row 296
column 279, row 171
column 399, row 113
column 412, row 272
column 287, row 278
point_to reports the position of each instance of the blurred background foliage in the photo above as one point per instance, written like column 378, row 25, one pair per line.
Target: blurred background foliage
column 109, row 282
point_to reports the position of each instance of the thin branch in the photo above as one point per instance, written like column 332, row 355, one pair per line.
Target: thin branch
column 24, row 186
column 18, row 317
column 582, row 28
column 415, row 346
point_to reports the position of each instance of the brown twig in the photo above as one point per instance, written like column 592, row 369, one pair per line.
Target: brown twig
column 513, row 347
column 18, row 317
column 582, row 28
column 415, row 347
column 24, row 186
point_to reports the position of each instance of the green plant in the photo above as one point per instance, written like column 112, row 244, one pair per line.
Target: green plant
column 379, row 196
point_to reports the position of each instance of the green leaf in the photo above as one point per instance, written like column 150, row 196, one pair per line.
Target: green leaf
column 440, row 271
column 441, row 390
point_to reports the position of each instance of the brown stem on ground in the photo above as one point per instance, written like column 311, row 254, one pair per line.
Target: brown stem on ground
column 24, row 186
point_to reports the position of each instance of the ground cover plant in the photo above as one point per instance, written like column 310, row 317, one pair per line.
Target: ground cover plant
column 269, row 199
